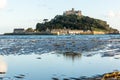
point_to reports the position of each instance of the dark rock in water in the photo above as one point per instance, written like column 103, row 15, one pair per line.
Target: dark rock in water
column 65, row 79
column 108, row 55
column 55, row 79
column 1, row 78
column 89, row 55
column 20, row 76
column 75, row 78
column 116, row 58
column 83, row 77
column 97, row 76
column 39, row 58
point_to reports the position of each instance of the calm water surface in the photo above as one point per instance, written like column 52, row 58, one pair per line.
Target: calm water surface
column 46, row 57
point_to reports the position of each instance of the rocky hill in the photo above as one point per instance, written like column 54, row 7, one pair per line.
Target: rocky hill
column 75, row 22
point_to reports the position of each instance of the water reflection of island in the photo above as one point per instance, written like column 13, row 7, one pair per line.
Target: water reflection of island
column 72, row 55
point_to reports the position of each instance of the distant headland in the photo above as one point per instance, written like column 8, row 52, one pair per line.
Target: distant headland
column 71, row 22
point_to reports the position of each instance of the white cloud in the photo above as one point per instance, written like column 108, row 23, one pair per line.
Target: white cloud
column 3, row 3
column 118, row 14
column 112, row 14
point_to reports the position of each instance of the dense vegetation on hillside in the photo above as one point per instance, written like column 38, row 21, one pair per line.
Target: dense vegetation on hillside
column 75, row 22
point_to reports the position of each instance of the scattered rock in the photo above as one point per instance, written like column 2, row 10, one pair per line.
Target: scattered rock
column 20, row 76
column 83, row 77
column 89, row 55
column 55, row 79
column 112, row 76
column 65, row 79
column 108, row 55
column 75, row 78
column 39, row 58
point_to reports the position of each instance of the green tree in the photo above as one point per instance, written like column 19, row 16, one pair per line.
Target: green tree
column 29, row 30
column 45, row 20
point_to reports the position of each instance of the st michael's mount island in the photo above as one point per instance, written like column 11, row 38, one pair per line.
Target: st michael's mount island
column 70, row 22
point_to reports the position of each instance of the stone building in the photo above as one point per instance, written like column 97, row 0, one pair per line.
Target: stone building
column 73, row 12
column 19, row 30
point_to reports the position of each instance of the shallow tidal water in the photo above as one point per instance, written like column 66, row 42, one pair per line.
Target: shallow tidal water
column 47, row 57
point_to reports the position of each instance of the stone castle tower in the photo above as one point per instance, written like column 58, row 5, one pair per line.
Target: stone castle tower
column 73, row 12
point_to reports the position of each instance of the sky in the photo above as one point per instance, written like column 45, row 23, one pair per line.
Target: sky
column 27, row 13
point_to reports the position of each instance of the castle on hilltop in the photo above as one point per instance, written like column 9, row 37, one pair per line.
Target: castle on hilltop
column 73, row 12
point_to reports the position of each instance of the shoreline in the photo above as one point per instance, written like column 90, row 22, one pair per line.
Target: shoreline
column 115, row 75
column 55, row 34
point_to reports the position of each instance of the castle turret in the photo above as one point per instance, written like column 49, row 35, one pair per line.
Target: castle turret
column 73, row 9
column 73, row 12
